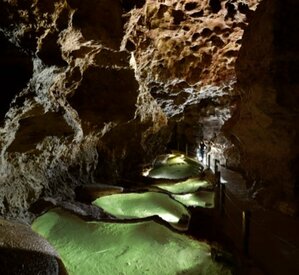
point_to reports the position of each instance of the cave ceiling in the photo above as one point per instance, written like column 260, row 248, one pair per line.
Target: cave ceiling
column 184, row 53
column 92, row 89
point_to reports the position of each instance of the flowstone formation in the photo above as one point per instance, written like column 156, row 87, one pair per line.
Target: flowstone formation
column 267, row 122
column 144, row 247
column 72, row 109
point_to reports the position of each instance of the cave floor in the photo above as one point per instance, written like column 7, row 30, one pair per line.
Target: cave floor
column 144, row 247
column 150, row 232
column 177, row 223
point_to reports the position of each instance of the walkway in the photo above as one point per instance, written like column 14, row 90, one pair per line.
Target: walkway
column 271, row 239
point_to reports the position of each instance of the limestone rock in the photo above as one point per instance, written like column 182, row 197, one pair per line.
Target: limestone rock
column 22, row 251
column 175, row 41
column 103, row 86
column 267, row 127
column 184, row 52
column 73, row 94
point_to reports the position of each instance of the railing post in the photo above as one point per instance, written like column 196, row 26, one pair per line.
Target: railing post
column 217, row 172
column 221, row 198
column 209, row 160
column 218, row 177
column 186, row 149
column 216, row 168
column 245, row 231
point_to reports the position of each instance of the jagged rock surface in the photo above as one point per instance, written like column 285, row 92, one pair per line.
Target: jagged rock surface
column 184, row 52
column 76, row 113
column 192, row 41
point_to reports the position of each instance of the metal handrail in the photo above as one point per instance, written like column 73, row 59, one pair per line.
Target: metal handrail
column 245, row 223
column 261, row 226
column 252, row 220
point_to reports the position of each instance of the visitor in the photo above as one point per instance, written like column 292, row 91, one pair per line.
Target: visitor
column 202, row 148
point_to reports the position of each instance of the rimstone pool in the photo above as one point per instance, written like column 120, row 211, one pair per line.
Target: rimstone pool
column 146, row 234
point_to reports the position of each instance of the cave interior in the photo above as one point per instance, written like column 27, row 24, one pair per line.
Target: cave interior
column 166, row 124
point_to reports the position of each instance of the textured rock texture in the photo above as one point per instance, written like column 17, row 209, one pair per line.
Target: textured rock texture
column 184, row 52
column 91, row 89
column 267, row 122
column 72, row 111
column 22, row 251
column 192, row 41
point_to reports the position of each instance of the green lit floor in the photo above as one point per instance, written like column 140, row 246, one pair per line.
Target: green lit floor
column 203, row 199
column 187, row 186
column 92, row 248
column 142, row 205
column 175, row 167
column 146, row 247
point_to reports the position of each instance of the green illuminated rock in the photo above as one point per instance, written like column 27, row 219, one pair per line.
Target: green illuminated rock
column 175, row 167
column 92, row 248
column 200, row 198
column 174, row 171
column 187, row 186
column 142, row 205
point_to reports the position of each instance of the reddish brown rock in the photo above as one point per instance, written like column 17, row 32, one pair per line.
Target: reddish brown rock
column 188, row 41
column 184, row 53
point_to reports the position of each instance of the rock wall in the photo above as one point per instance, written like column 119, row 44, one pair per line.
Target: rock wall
column 91, row 89
column 72, row 111
column 267, row 128
column 184, row 52
column 23, row 251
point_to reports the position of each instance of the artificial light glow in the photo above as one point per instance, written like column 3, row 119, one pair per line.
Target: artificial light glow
column 176, row 168
column 146, row 172
column 187, row 186
column 175, row 160
column 179, row 160
column 143, row 205
column 113, row 248
column 170, row 218
column 199, row 199
column 223, row 180
column 186, row 196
